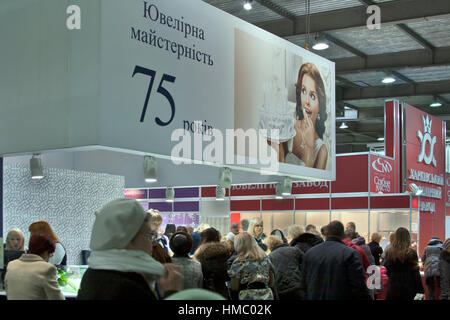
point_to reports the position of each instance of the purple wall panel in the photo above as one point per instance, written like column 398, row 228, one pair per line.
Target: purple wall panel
column 136, row 193
column 157, row 193
column 144, row 205
column 186, row 192
column 192, row 220
column 190, row 206
column 161, row 206
column 178, row 219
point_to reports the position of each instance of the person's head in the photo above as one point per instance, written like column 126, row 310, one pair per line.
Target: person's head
column 272, row 241
column 310, row 227
column 203, row 226
column 122, row 224
column 335, row 229
column 391, row 237
column 244, row 225
column 43, row 227
column 350, row 226
column 349, row 234
column 246, row 247
column 294, row 231
column 155, row 219
column 181, row 244
column 311, row 98
column 446, row 246
column 209, row 235
column 323, row 231
column 190, row 229
column 278, row 233
column 235, row 227
column 170, row 230
column 256, row 227
column 402, row 239
column 182, row 229
column 15, row 240
column 42, row 245
column 376, row 237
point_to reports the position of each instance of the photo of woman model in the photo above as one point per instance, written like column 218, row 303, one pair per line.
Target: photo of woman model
column 307, row 148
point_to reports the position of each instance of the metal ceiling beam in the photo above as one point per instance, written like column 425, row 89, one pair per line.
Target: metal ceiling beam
column 394, row 60
column 277, row 9
column 344, row 45
column 401, row 76
column 401, row 90
column 393, row 12
column 415, row 36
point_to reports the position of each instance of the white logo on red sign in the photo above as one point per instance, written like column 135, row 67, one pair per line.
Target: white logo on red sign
column 381, row 166
column 424, row 138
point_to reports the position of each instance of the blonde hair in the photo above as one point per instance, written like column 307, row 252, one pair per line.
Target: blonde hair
column 253, row 223
column 246, row 247
column 203, row 226
column 272, row 241
column 375, row 237
column 11, row 234
column 155, row 217
column 294, row 231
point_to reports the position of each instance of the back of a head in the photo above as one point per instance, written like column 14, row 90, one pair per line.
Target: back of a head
column 335, row 229
column 181, row 243
column 349, row 234
column 203, row 226
column 170, row 230
column 246, row 247
column 182, row 229
column 41, row 243
column 294, row 231
column 43, row 227
column 402, row 239
column 244, row 225
column 376, row 237
column 350, row 225
column 209, row 235
column 190, row 229
column 235, row 227
column 272, row 241
column 310, row 227
column 278, row 233
column 323, row 231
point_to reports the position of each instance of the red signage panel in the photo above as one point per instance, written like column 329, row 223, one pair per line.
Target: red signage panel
column 382, row 174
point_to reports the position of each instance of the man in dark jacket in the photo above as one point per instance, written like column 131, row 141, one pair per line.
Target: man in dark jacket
column 430, row 259
column 306, row 241
column 333, row 271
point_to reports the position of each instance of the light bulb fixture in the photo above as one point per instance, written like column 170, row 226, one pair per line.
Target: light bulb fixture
column 36, row 168
column 388, row 80
column 436, row 104
column 170, row 194
column 248, row 4
column 225, row 177
column 278, row 191
column 220, row 193
column 286, row 186
column 343, row 126
column 150, row 169
column 380, row 139
column 320, row 42
column 415, row 189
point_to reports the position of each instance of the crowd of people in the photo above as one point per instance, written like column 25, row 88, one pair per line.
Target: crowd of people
column 131, row 259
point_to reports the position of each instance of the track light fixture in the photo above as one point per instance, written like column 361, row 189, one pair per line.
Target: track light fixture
column 170, row 194
column 286, row 186
column 248, row 4
column 225, row 177
column 150, row 169
column 220, row 193
column 343, row 126
column 36, row 168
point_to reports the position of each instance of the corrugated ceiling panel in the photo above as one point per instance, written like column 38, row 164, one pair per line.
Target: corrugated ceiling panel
column 371, row 103
column 387, row 39
column 298, row 7
column 425, row 74
column 259, row 13
column 435, row 31
column 372, row 78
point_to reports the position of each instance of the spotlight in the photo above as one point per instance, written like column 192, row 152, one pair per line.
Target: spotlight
column 248, row 4
column 37, row 171
column 225, row 177
column 415, row 189
column 278, row 190
column 150, row 169
column 388, row 80
column 320, row 46
column 170, row 194
column 220, row 193
column 343, row 126
column 380, row 139
column 436, row 104
column 286, row 186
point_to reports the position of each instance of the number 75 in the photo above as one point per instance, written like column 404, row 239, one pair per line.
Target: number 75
column 161, row 90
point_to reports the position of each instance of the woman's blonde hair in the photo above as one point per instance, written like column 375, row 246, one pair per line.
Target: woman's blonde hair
column 272, row 241
column 155, row 217
column 294, row 231
column 253, row 223
column 375, row 236
column 11, row 234
column 246, row 247
column 43, row 227
column 203, row 226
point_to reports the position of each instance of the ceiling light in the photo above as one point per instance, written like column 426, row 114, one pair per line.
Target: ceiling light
column 320, row 46
column 343, row 126
column 220, row 193
column 416, row 190
column 436, row 104
column 380, row 139
column 36, row 168
column 170, row 194
column 388, row 80
column 225, row 177
column 248, row 4
column 278, row 190
column 150, row 169
column 286, row 186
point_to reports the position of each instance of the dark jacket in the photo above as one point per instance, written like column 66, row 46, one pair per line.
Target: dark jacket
column 261, row 243
column 430, row 258
column 376, row 251
column 114, row 285
column 444, row 268
column 195, row 241
column 404, row 276
column 306, row 241
column 361, row 242
column 286, row 261
column 333, row 271
column 231, row 259
column 213, row 256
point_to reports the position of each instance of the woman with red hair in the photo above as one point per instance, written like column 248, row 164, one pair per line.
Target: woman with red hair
column 31, row 277
column 60, row 256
